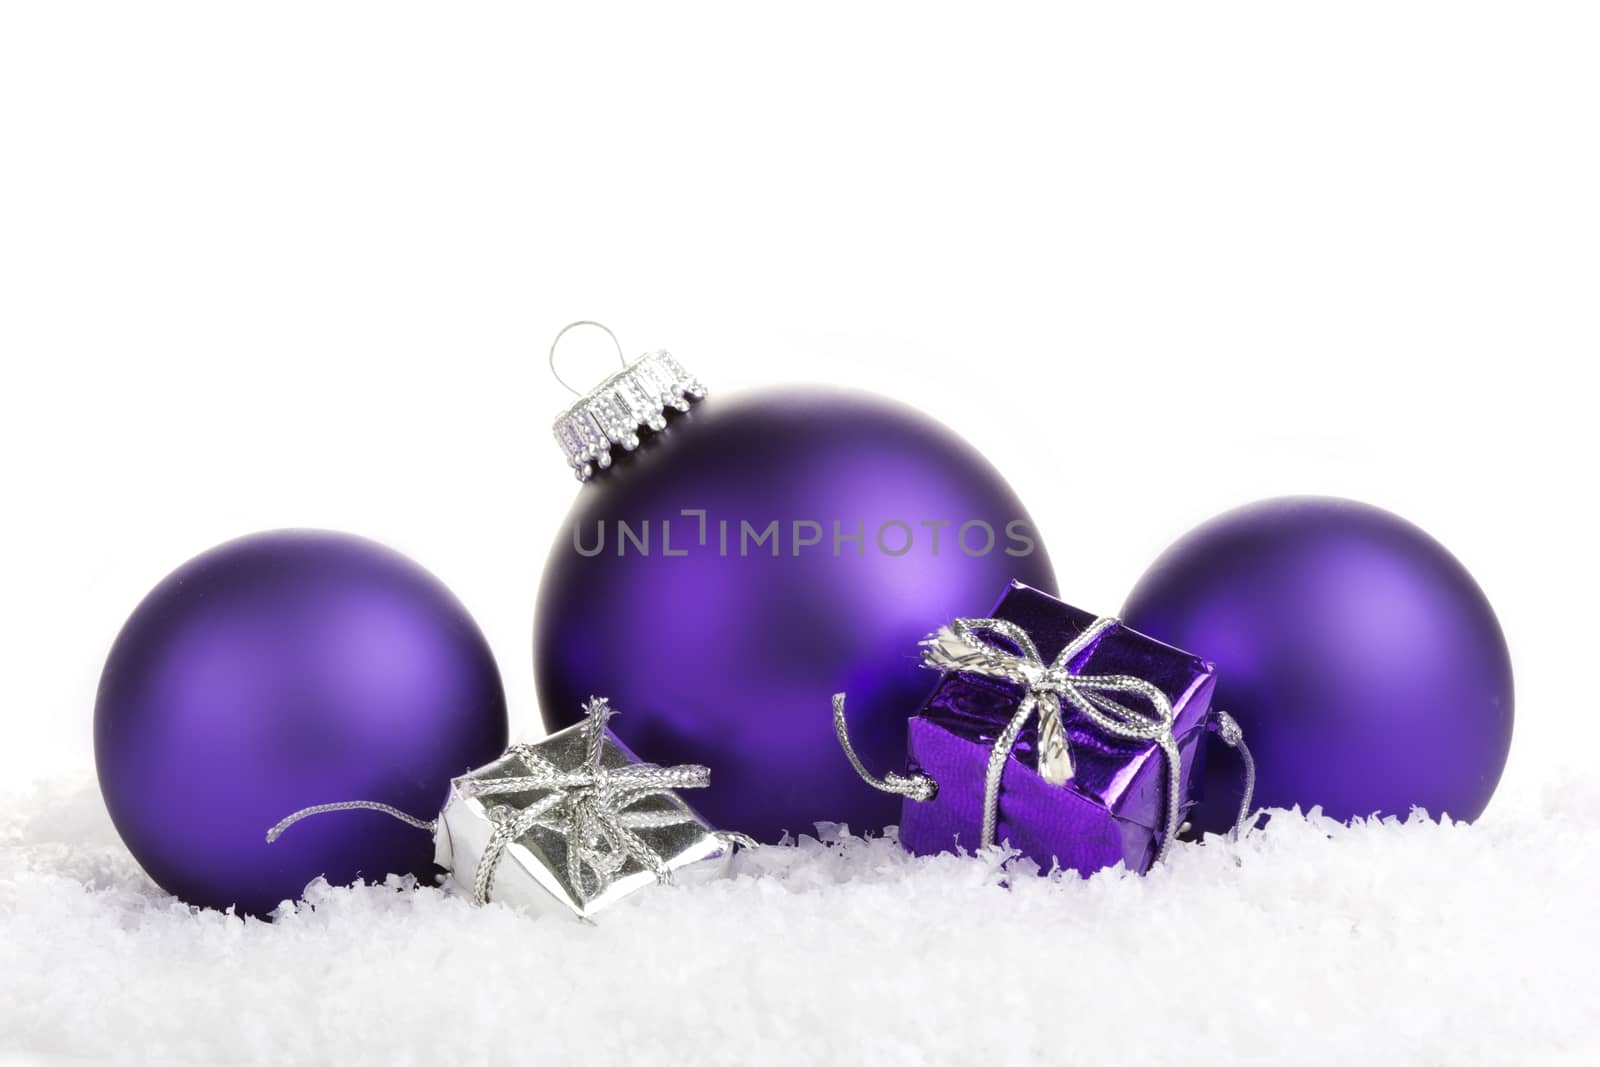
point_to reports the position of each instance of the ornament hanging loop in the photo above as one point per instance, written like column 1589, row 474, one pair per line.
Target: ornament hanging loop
column 556, row 341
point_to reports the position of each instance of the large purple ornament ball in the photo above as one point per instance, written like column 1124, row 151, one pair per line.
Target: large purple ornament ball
column 279, row 671
column 1365, row 665
column 727, row 654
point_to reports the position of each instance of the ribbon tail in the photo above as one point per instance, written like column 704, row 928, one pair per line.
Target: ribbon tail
column 998, row 756
column 276, row 832
column 1055, row 758
column 1174, row 762
column 914, row 787
column 1232, row 735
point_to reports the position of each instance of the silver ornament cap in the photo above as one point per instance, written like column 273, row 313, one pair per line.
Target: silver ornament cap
column 615, row 412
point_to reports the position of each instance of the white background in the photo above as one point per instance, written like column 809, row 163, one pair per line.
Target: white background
column 298, row 264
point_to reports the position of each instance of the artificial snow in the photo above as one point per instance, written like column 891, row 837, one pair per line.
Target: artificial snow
column 1308, row 942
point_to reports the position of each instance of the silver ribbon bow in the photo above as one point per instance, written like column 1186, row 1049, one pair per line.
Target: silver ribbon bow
column 591, row 806
column 963, row 647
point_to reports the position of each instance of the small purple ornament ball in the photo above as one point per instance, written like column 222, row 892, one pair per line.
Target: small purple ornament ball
column 275, row 672
column 1365, row 665
column 723, row 641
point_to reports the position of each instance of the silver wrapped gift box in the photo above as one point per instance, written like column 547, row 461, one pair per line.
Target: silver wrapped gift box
column 576, row 821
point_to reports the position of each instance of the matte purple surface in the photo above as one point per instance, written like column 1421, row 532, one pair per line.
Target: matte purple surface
column 278, row 671
column 1114, row 808
column 731, row 661
column 1365, row 665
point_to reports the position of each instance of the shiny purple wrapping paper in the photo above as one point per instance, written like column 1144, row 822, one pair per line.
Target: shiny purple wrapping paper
column 1113, row 810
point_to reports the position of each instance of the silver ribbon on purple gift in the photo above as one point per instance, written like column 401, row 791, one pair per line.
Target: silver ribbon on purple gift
column 967, row 646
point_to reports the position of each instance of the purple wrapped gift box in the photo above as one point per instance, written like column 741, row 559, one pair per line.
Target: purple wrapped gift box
column 1114, row 806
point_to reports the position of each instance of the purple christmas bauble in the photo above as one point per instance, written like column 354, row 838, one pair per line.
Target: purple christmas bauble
column 279, row 671
column 1366, row 667
column 759, row 554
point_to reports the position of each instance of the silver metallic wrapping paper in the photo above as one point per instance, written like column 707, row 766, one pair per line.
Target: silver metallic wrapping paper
column 537, row 870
